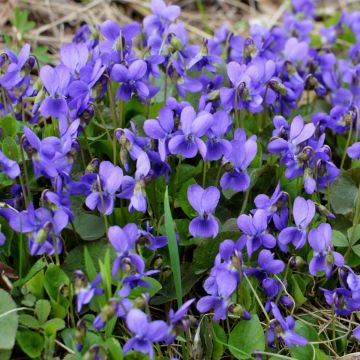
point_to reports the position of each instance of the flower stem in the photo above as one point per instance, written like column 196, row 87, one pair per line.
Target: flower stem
column 346, row 147
column 355, row 224
column 204, row 173
column 112, row 105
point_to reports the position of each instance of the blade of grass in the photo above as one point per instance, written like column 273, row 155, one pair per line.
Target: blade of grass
column 89, row 265
column 173, row 248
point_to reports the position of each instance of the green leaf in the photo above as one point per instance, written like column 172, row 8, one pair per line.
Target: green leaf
column 356, row 234
column 30, row 342
column 42, row 310
column 205, row 253
column 173, row 248
column 246, row 337
column 29, row 321
column 308, row 332
column 8, row 124
column 339, row 239
column 8, row 321
column 54, row 279
column 75, row 260
column 38, row 266
column 89, row 265
column 114, row 349
column 41, row 53
column 105, row 269
column 296, row 291
column 206, row 338
column 220, row 339
column 89, row 227
column 5, row 354
column 52, row 326
column 154, row 288
column 343, row 193
column 168, row 291
column 320, row 355
column 35, row 285
column 356, row 250
column 182, row 200
column 10, row 148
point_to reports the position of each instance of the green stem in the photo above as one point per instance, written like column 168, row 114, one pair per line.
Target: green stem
column 333, row 320
column 346, row 147
column 57, row 259
column 121, row 113
column 218, row 175
column 4, row 100
column 285, row 279
column 166, row 82
column 204, row 174
column 103, row 206
column 246, row 198
column 102, row 122
column 114, row 147
column 21, row 256
column 257, row 299
column 112, row 105
column 356, row 220
column 238, row 123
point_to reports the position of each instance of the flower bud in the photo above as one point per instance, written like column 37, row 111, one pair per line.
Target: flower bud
column 176, row 43
column 93, row 166
column 80, row 281
column 329, row 259
column 214, row 95
column 43, row 233
column 96, row 352
column 278, row 87
column 157, row 262
column 80, row 334
column 297, row 262
column 324, row 211
column 228, row 167
column 250, row 50
column 40, row 96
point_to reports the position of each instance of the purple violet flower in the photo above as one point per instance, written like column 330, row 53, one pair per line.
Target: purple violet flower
column 161, row 130
column 267, row 262
column 131, row 79
column 204, row 201
column 123, row 241
column 188, row 141
column 324, row 257
column 254, row 232
column 243, row 151
column 56, row 81
column 354, row 151
column 303, row 213
column 8, row 166
column 286, row 330
column 105, row 187
column 145, row 332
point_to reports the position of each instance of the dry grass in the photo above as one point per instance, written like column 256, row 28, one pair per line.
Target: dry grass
column 57, row 20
